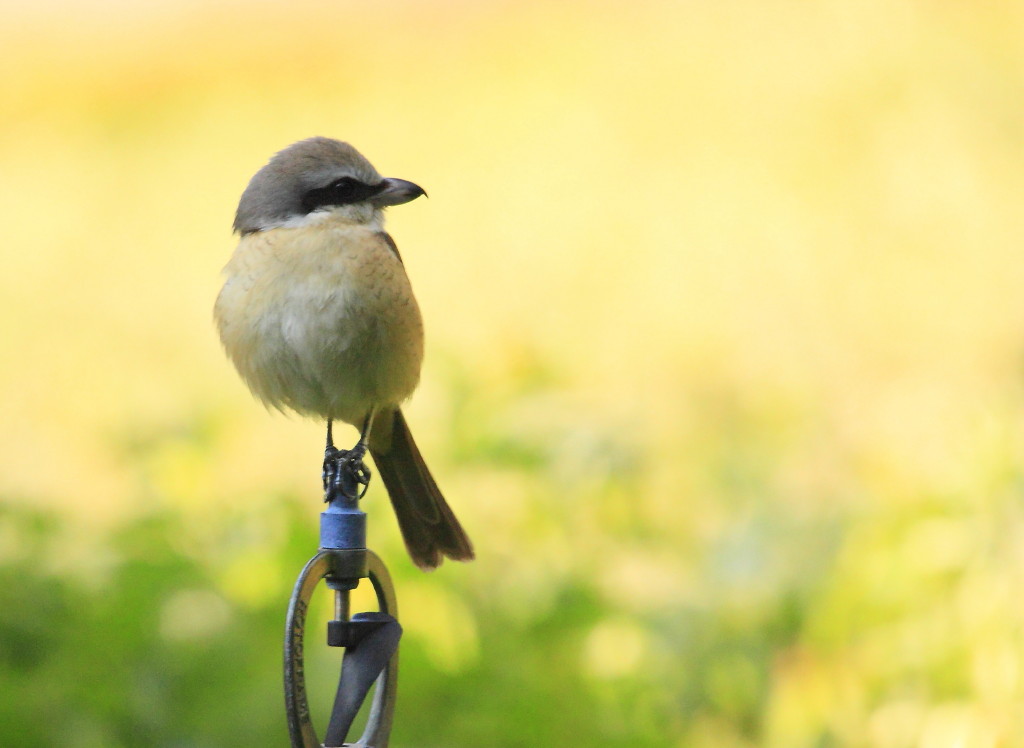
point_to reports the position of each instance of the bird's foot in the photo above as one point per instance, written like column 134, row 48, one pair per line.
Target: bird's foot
column 345, row 473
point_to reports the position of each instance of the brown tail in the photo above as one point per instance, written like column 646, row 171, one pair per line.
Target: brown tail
column 428, row 525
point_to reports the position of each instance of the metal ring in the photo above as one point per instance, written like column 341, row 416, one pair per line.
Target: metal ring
column 382, row 709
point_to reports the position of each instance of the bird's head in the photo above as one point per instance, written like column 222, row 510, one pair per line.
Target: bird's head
column 315, row 177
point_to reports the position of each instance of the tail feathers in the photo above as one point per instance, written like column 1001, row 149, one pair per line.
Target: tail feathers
column 428, row 525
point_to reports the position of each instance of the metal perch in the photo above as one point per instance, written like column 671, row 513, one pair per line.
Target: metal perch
column 370, row 639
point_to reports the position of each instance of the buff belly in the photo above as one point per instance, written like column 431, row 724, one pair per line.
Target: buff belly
column 321, row 320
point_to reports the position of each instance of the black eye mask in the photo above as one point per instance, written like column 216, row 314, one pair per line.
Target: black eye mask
column 344, row 191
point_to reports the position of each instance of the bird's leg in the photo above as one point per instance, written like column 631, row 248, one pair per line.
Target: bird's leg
column 344, row 469
column 330, row 459
column 359, row 450
column 355, row 471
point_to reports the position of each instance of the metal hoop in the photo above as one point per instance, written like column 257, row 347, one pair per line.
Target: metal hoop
column 300, row 727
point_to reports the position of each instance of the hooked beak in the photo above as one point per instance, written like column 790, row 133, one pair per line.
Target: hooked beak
column 396, row 192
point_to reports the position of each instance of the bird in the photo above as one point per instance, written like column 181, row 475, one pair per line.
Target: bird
column 318, row 316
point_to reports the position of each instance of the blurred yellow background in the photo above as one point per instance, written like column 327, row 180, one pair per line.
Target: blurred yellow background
column 723, row 362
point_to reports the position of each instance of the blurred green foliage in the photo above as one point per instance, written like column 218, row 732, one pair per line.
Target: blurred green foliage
column 788, row 627
column 90, row 659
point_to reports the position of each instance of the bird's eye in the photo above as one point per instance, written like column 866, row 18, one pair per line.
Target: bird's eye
column 344, row 186
column 343, row 191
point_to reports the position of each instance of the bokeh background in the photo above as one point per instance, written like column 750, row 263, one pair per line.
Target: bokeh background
column 725, row 346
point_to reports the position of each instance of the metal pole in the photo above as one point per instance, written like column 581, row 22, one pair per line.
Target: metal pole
column 370, row 639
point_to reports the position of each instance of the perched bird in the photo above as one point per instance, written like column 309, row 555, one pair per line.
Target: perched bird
column 318, row 316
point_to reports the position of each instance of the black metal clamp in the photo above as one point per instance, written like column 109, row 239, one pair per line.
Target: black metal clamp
column 370, row 639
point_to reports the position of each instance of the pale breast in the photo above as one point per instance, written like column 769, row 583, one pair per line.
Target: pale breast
column 321, row 319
